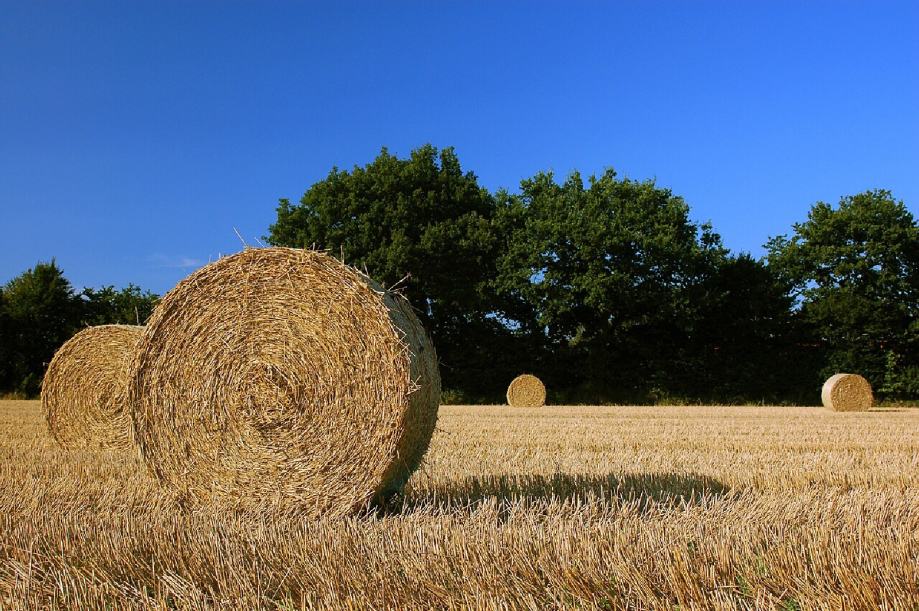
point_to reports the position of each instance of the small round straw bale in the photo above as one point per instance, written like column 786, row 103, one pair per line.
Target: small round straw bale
column 526, row 391
column 847, row 392
column 282, row 379
column 84, row 390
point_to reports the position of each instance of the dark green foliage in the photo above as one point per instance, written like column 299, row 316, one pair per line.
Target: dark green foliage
column 39, row 311
column 422, row 224
column 854, row 270
column 635, row 301
column 6, row 347
column 610, row 269
column 106, row 306
column 745, row 342
column 419, row 217
column 610, row 293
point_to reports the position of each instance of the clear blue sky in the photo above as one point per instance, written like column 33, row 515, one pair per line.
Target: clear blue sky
column 135, row 136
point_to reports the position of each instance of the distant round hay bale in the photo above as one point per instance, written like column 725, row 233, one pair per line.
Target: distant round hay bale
column 526, row 391
column 847, row 392
column 83, row 393
column 281, row 378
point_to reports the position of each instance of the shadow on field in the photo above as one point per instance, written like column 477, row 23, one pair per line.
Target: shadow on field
column 660, row 488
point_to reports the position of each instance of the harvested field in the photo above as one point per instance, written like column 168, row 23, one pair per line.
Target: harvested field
column 609, row 507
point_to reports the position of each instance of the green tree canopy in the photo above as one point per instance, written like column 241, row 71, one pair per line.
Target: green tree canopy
column 854, row 270
column 420, row 223
column 40, row 312
column 745, row 343
column 6, row 347
column 609, row 268
column 608, row 290
column 107, row 305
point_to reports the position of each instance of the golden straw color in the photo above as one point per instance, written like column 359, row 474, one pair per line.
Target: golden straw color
column 281, row 378
column 847, row 392
column 83, row 391
column 526, row 390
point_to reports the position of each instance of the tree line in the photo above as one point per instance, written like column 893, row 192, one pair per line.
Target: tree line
column 40, row 310
column 604, row 287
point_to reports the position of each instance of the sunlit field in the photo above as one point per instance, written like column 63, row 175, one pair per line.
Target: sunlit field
column 597, row 507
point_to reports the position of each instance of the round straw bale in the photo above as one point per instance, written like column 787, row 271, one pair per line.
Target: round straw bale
column 526, row 391
column 84, row 390
column 847, row 392
column 281, row 378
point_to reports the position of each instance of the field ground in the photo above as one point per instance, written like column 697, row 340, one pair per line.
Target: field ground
column 598, row 507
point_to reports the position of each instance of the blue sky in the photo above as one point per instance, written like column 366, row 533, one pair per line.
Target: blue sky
column 134, row 137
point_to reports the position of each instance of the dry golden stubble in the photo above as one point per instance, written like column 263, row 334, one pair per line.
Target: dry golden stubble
column 84, row 390
column 526, row 390
column 282, row 378
column 847, row 392
column 515, row 509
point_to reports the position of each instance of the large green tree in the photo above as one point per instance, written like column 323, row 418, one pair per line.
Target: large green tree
column 425, row 225
column 609, row 269
column 40, row 312
column 854, row 269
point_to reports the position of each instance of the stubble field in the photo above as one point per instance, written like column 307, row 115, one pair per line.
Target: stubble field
column 596, row 507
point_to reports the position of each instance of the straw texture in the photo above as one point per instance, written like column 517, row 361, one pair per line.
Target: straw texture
column 847, row 392
column 281, row 377
column 526, row 391
column 83, row 391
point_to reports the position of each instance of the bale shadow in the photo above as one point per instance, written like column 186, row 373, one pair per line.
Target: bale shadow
column 613, row 488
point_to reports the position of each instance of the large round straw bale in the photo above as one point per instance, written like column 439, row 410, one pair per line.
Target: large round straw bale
column 83, row 392
column 526, row 391
column 282, row 378
column 847, row 392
